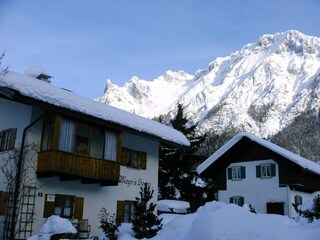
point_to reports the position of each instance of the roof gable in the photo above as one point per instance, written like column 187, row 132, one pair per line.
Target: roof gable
column 42, row 91
column 296, row 159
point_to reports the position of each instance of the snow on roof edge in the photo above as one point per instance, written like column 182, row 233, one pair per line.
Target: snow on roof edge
column 39, row 90
column 303, row 162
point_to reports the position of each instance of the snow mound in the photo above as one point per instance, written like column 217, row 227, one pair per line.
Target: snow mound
column 35, row 71
column 220, row 221
column 54, row 225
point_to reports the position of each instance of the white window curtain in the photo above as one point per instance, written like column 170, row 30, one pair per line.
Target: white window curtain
column 66, row 140
column 110, row 150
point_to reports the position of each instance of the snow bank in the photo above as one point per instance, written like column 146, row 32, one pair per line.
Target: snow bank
column 220, row 221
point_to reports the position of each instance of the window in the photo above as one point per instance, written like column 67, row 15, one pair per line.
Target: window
column 47, row 136
column 7, row 139
column 237, row 200
column 126, row 211
column 66, row 206
column 133, row 158
column 81, row 138
column 266, row 170
column 297, row 200
column 236, row 173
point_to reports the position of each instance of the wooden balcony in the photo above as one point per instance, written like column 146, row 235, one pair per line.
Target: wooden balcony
column 71, row 166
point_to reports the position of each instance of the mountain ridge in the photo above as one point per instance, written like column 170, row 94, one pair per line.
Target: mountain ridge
column 260, row 88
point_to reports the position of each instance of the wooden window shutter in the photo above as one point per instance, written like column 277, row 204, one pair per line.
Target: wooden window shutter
column 13, row 133
column 3, row 202
column 258, row 171
column 229, row 173
column 143, row 160
column 243, row 172
column 78, row 207
column 120, row 211
column 273, row 169
column 124, row 156
column 48, row 207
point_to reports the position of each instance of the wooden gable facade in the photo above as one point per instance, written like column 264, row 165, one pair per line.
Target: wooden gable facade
column 246, row 150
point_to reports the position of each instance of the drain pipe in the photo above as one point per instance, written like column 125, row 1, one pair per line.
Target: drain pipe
column 18, row 177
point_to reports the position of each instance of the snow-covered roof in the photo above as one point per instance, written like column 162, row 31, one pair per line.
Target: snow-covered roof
column 303, row 162
column 43, row 91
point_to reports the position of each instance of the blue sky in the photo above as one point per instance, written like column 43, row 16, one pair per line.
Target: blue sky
column 83, row 43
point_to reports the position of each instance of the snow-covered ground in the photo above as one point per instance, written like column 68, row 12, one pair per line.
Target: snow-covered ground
column 220, row 221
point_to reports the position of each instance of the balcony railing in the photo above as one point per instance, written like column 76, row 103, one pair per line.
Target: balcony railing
column 73, row 166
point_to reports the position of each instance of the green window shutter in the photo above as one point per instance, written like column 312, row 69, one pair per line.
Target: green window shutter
column 243, row 172
column 231, row 200
column 273, row 169
column 258, row 171
column 241, row 201
column 229, row 173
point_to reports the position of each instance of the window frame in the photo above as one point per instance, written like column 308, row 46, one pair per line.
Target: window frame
column 122, row 215
column 238, row 200
column 50, row 205
column 298, row 200
column 52, row 138
column 7, row 139
column 133, row 159
column 61, row 201
column 261, row 174
column 241, row 173
column 265, row 170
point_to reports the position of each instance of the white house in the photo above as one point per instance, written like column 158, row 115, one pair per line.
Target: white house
column 88, row 156
column 251, row 170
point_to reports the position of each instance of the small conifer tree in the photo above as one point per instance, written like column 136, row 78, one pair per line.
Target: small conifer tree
column 109, row 224
column 310, row 214
column 146, row 224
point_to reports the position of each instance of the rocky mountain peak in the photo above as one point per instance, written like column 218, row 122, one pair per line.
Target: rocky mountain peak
column 260, row 89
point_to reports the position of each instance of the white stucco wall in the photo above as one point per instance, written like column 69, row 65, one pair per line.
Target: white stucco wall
column 95, row 196
column 12, row 115
column 256, row 191
column 305, row 197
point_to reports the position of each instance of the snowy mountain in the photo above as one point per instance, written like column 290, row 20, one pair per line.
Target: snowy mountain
column 259, row 89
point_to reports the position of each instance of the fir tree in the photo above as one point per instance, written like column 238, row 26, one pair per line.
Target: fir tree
column 146, row 224
column 177, row 176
